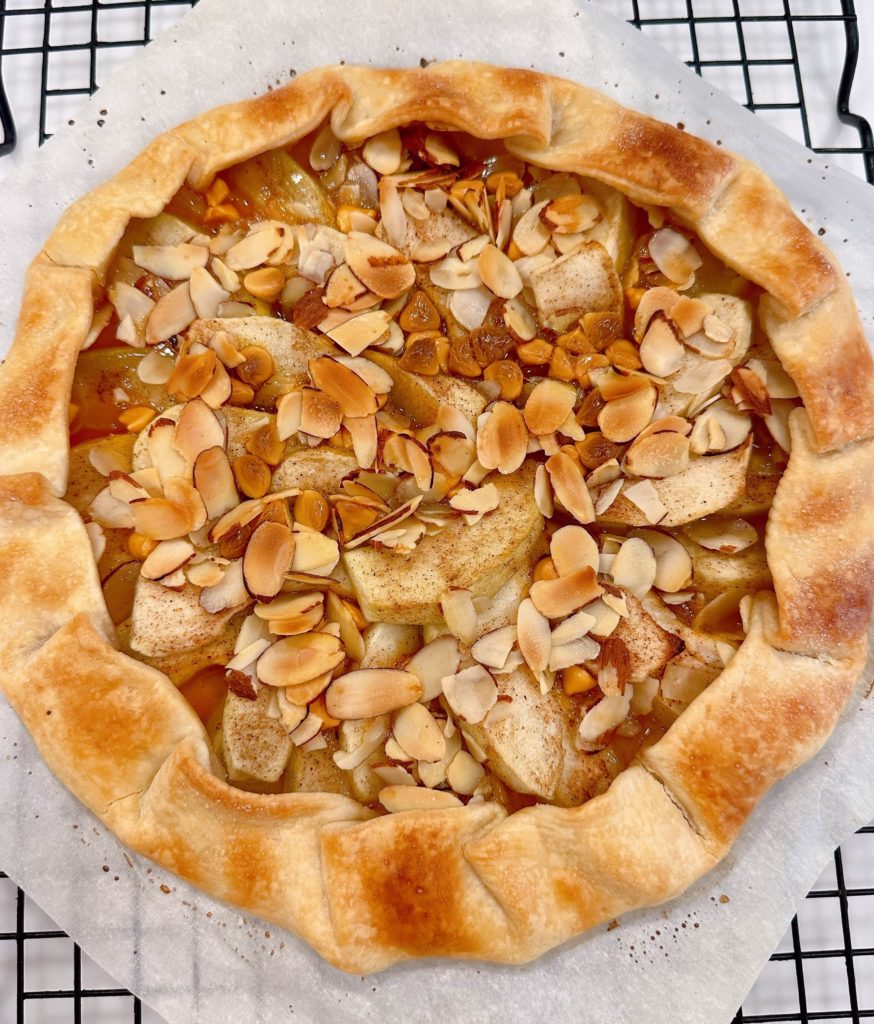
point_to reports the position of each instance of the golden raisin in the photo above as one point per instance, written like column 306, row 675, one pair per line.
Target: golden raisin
column 534, row 353
column 224, row 213
column 419, row 314
column 490, row 344
column 309, row 310
column 265, row 283
column 266, row 444
column 602, row 328
column 587, row 414
column 258, row 367
column 420, row 356
column 191, row 374
column 509, row 377
column 545, row 570
column 140, row 547
column 595, row 449
column 623, row 354
column 241, row 394
column 588, row 361
column 561, row 365
column 252, row 475
column 509, row 181
column 311, row 509
column 462, row 359
column 575, row 341
column 234, row 542
column 137, row 418
column 577, row 679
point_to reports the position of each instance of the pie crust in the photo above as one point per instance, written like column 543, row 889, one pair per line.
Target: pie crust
column 470, row 881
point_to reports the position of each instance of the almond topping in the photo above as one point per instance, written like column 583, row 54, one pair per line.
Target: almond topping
column 573, row 548
column 474, row 504
column 752, row 389
column 434, row 661
column 624, row 418
column 534, row 636
column 339, row 611
column 358, row 332
column 214, row 479
column 320, row 415
column 567, row 594
column 289, row 606
column 634, row 566
column 368, row 692
column 345, row 386
column 548, row 406
column 464, row 773
column 689, row 315
column 171, row 315
column 206, row 293
column 569, row 487
column 460, row 614
column 230, row 592
column 161, row 519
column 531, row 235
column 494, row 648
column 498, row 273
column 343, row 288
column 417, row 731
column 258, row 247
column 416, row 798
column 673, row 562
column 702, row 376
column 571, row 214
column 646, row 498
column 192, row 374
column 602, row 719
column 502, row 441
column 314, row 553
column 379, row 266
column 661, row 351
column 166, row 558
column 173, row 262
column 719, row 428
column 267, row 559
column 383, row 152
column 471, row 693
column 726, row 535
column 197, row 430
column 658, row 455
column 674, row 255
column 296, row 660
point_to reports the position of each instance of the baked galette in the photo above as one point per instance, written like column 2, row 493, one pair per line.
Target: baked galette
column 436, row 506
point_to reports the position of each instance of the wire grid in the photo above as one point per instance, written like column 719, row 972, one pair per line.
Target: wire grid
column 834, row 976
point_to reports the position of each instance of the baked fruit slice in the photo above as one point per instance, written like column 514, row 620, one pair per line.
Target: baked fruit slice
column 463, row 507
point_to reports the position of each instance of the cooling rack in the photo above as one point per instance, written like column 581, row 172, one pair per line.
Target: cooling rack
column 768, row 55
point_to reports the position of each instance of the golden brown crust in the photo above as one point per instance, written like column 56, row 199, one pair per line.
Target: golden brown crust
column 468, row 881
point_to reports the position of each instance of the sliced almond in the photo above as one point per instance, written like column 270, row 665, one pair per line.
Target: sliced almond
column 502, row 441
column 601, row 719
column 634, row 566
column 436, row 659
column 296, row 660
column 230, row 592
column 476, row 503
column 460, row 614
column 339, row 612
column 206, row 293
column 368, row 692
column 701, row 376
column 470, row 693
column 533, row 635
column 622, row 419
column 172, row 262
column 383, row 152
column 314, row 553
column 358, row 332
column 567, row 594
column 257, row 248
column 343, row 288
column 453, row 452
column 267, row 559
column 658, row 455
column 673, row 562
column 573, row 628
column 733, row 428
column 416, row 798
column 173, row 313
column 531, row 235
column 493, row 649
column 654, row 300
column 346, row 387
column 572, row 548
column 417, row 731
column 374, row 734
column 288, row 606
column 167, row 558
column 379, row 266
column 464, row 773
column 160, row 519
column 197, row 430
column 410, row 456
column 674, row 255
column 543, row 492
column 720, row 534
column 519, row 320
column 454, row 274
column 320, row 415
column 571, row 214
column 646, row 498
column 689, row 315
column 569, row 487
column 498, row 273
column 214, row 479
column 548, row 406
column 575, row 652
column 661, row 351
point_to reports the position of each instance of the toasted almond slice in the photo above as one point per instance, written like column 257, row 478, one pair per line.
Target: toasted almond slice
column 410, row 456
column 634, row 566
column 219, row 389
column 720, row 534
column 393, row 518
column 416, row 798
column 383, row 269
column 453, row 452
column 543, row 492
column 368, row 692
column 548, row 406
column 430, row 664
column 229, row 280
column 702, row 376
column 777, row 381
column 197, row 430
column 573, row 628
column 689, row 314
column 531, row 235
column 567, row 594
column 358, row 332
column 374, row 735
column 365, row 439
column 267, row 559
column 338, row 611
column 624, row 418
column 674, row 255
column 569, row 487
column 519, row 320
column 494, row 648
column 155, row 368
column 163, row 453
column 654, row 300
column 502, row 440
column 661, row 351
column 296, row 660
column 345, row 386
column 417, row 731
column 251, row 629
column 206, row 293
column 534, row 636
column 393, row 774
column 171, row 315
column 469, row 306
column 673, row 562
column 470, row 693
column 288, row 606
column 301, row 694
column 204, row 574
column 383, row 152
column 475, row 503
column 602, row 719
column 575, row 652
column 378, row 380
column 464, row 773
column 572, row 548
column 248, row 655
column 658, row 455
column 646, row 498
column 230, row 592
column 320, row 415
column 734, row 427
column 314, row 553
column 460, row 614
column 454, row 274
column 258, row 247
column 305, row 622
column 289, row 409
column 343, row 288
column 172, row 262
column 498, row 273
column 167, row 558
column 571, row 214
column 238, row 517
column 214, row 479
column 160, row 519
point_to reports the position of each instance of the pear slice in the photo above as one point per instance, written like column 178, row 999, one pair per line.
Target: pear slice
column 710, row 483
column 390, row 646
column 255, row 747
column 583, row 281
column 650, row 647
column 314, row 771
column 420, row 396
column 393, row 587
column 617, row 229
column 182, row 665
column 167, row 621
column 84, row 481
column 290, row 347
column 715, row 572
column 317, row 469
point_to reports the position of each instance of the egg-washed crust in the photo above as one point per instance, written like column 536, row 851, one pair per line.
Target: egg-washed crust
column 468, row 882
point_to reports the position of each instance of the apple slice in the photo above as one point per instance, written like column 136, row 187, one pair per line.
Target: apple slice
column 420, row 396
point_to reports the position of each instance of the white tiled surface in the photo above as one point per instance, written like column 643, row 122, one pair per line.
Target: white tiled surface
column 49, row 961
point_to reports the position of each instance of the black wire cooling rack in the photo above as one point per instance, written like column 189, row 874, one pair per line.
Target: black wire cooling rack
column 829, row 948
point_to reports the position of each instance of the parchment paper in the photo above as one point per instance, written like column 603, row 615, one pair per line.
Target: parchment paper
column 195, row 960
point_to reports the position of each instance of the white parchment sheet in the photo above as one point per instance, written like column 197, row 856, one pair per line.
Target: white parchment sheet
column 195, row 960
